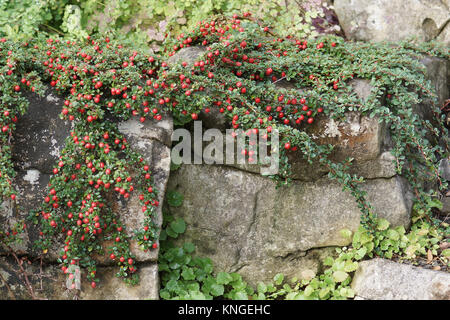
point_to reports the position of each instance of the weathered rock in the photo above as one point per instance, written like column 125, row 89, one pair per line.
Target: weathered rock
column 444, row 169
column 380, row 279
column 438, row 73
column 48, row 282
column 40, row 134
column 152, row 141
column 188, row 55
column 445, row 204
column 244, row 223
column 47, row 135
column 113, row 288
column 366, row 140
column 38, row 140
column 376, row 20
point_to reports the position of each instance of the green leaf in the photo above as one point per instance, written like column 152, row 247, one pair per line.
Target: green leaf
column 224, row 278
column 174, row 198
column 196, row 295
column 392, row 234
column 350, row 266
column 217, row 290
column 278, row 279
column 383, row 224
column 188, row 273
column 262, row 288
column 340, row 276
column 178, row 226
column 324, row 293
column 360, row 253
column 171, row 233
column 346, row 233
column 189, row 247
column 308, row 290
column 328, row 261
column 240, row 295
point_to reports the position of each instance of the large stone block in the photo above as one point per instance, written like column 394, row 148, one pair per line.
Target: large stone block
column 48, row 282
column 378, row 20
column 40, row 137
column 243, row 222
column 40, row 134
column 381, row 279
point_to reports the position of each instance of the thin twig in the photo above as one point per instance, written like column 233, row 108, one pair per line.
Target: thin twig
column 24, row 274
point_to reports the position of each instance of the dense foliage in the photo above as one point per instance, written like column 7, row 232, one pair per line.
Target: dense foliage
column 185, row 275
column 237, row 74
column 144, row 21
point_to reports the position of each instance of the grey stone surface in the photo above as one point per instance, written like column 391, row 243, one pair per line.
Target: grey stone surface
column 49, row 282
column 188, row 54
column 445, row 204
column 444, row 169
column 381, row 279
column 40, row 134
column 378, row 20
column 244, row 223
column 37, row 142
column 112, row 288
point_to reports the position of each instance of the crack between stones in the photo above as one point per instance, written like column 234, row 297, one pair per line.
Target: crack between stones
column 299, row 180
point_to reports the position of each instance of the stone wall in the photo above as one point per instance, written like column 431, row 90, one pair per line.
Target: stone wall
column 245, row 224
column 375, row 20
column 234, row 215
column 37, row 143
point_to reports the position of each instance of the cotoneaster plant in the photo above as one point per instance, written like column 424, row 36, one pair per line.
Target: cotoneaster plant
column 103, row 83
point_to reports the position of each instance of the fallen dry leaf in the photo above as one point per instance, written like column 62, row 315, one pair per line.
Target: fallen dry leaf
column 429, row 256
column 436, row 268
column 444, row 245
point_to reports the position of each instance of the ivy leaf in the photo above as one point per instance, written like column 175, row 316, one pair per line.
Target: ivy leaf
column 240, row 295
column 178, row 226
column 188, row 273
column 346, row 233
column 340, row 276
column 196, row 295
column 351, row 266
column 262, row 288
column 308, row 290
column 224, row 278
column 278, row 279
column 174, row 198
column 189, row 247
column 217, row 290
column 383, row 224
column 328, row 261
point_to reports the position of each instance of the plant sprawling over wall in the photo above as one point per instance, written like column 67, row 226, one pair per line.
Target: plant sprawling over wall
column 103, row 80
